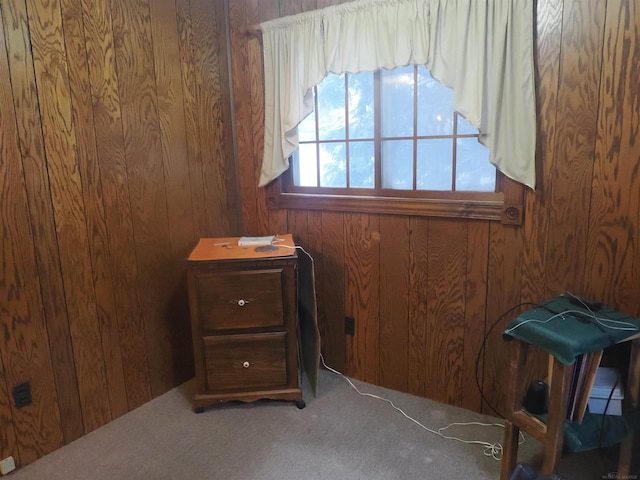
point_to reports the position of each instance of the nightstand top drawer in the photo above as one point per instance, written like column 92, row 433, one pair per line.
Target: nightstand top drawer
column 215, row 249
column 240, row 300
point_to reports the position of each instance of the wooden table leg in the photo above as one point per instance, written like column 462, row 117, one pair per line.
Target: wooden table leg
column 552, row 448
column 509, row 449
column 513, row 404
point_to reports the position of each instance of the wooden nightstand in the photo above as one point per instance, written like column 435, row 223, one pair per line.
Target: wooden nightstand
column 244, row 322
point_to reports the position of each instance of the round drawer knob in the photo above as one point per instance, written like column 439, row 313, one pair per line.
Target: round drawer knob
column 241, row 303
column 245, row 364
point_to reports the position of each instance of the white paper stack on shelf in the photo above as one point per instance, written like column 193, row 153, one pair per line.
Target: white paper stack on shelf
column 607, row 384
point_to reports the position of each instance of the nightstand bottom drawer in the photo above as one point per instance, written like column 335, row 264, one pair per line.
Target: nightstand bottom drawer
column 245, row 362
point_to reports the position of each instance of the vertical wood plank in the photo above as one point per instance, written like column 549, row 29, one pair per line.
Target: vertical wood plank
column 110, row 147
column 503, row 294
column 536, row 226
column 172, row 126
column 89, row 170
column 42, row 217
column 171, row 118
column 52, row 79
column 192, row 132
column 331, row 301
column 8, row 177
column 362, row 261
column 395, row 243
column 134, row 63
column 475, row 300
column 418, row 276
column 213, row 119
column 34, row 430
column 614, row 238
column 445, row 310
column 571, row 171
column 271, row 220
column 238, row 22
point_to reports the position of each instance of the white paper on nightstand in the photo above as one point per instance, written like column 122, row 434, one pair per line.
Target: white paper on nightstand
column 248, row 241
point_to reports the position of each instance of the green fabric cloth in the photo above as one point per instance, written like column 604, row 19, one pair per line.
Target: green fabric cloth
column 595, row 431
column 566, row 330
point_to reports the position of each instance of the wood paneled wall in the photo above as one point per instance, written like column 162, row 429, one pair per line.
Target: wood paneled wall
column 117, row 154
column 116, row 140
column 424, row 291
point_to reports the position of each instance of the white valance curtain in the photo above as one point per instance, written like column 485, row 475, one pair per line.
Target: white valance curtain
column 482, row 49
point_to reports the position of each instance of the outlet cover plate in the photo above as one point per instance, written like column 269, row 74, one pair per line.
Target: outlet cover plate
column 7, row 465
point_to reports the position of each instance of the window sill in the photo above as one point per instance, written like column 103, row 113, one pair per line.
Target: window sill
column 499, row 206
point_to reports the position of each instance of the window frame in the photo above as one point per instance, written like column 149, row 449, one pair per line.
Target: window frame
column 505, row 204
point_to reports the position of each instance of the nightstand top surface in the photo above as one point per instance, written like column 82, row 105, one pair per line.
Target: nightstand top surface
column 227, row 248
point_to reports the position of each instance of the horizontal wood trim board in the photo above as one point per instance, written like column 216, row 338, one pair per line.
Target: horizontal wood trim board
column 479, row 210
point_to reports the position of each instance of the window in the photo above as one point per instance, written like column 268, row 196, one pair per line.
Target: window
column 388, row 131
column 390, row 142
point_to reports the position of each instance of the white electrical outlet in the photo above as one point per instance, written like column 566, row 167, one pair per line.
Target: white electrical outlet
column 7, row 465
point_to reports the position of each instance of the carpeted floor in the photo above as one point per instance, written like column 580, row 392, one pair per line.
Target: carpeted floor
column 340, row 435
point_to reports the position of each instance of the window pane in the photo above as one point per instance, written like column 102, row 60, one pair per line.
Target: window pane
column 333, row 165
column 435, row 106
column 396, row 91
column 307, row 128
column 465, row 127
column 305, row 166
column 331, row 108
column 473, row 170
column 434, row 164
column 397, row 164
column 361, row 165
column 361, row 105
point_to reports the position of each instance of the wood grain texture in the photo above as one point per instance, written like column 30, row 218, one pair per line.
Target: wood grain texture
column 504, row 265
column 394, row 302
column 42, row 218
column 214, row 119
column 504, row 273
column 362, row 268
column 571, row 172
column 418, row 303
column 239, row 19
column 98, row 109
column 614, row 238
column 8, row 173
column 109, row 138
column 259, row 11
column 536, row 227
column 89, row 171
column 475, row 322
column 186, row 46
column 447, row 266
column 580, row 231
column 173, row 140
column 35, row 430
column 166, row 56
column 52, row 79
column 139, row 106
column 331, row 300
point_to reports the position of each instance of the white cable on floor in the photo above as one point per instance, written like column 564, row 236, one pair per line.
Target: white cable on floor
column 493, row 450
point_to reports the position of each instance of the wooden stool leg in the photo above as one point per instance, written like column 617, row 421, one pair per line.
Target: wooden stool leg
column 513, row 404
column 552, row 448
column 509, row 449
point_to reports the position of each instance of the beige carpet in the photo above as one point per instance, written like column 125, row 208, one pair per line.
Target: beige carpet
column 340, row 435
